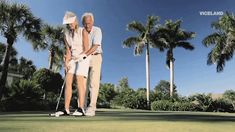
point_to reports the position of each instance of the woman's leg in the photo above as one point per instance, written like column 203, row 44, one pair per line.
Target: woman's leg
column 81, row 90
column 68, row 90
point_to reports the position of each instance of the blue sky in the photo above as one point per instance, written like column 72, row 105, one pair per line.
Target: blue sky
column 192, row 75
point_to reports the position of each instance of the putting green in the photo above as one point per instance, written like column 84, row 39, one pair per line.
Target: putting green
column 119, row 121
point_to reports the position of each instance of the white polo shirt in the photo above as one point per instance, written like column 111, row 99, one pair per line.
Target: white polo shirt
column 95, row 37
column 75, row 43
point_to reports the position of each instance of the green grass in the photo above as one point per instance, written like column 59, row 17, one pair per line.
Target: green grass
column 119, row 121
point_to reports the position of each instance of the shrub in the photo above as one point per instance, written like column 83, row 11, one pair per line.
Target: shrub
column 222, row 105
column 125, row 98
column 106, row 95
column 129, row 98
column 202, row 101
column 229, row 95
column 48, row 80
column 24, row 95
column 167, row 105
column 162, row 105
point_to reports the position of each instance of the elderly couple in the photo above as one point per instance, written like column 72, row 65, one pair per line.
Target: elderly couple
column 83, row 60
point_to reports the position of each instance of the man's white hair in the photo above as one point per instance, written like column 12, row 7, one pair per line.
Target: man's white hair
column 86, row 14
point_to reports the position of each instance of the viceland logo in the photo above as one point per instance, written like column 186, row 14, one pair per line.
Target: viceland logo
column 211, row 13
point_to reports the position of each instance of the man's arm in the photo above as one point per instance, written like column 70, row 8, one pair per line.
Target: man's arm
column 92, row 49
column 96, row 42
column 83, row 55
column 85, row 41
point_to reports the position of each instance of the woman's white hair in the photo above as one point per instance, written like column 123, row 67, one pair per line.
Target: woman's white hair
column 86, row 14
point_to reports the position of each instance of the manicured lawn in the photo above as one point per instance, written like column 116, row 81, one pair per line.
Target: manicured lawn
column 119, row 121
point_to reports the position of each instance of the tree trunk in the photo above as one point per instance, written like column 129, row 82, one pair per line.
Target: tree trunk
column 171, row 77
column 147, row 75
column 51, row 59
column 5, row 64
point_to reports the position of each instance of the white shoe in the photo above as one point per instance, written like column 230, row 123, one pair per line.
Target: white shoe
column 90, row 112
column 60, row 113
column 79, row 112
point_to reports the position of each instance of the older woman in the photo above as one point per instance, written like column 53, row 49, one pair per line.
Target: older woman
column 76, row 62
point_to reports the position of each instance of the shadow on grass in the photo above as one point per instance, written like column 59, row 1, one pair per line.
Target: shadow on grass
column 170, row 116
column 123, row 116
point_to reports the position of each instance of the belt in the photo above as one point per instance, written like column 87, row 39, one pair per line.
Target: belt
column 96, row 54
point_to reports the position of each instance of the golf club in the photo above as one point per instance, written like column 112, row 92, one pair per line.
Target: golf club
column 58, row 99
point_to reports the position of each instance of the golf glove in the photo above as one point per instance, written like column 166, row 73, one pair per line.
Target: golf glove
column 81, row 57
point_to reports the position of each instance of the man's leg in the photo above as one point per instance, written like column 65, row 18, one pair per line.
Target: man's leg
column 87, row 84
column 95, row 80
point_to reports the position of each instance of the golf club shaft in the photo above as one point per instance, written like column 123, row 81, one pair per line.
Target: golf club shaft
column 61, row 91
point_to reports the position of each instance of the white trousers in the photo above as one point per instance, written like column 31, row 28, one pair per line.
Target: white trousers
column 94, row 78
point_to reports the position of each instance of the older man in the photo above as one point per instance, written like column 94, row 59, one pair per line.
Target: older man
column 95, row 38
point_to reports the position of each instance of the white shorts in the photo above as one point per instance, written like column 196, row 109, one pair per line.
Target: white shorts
column 80, row 68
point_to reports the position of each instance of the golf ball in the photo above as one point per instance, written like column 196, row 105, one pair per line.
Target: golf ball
column 57, row 115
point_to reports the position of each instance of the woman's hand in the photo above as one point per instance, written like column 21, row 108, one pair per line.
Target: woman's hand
column 67, row 66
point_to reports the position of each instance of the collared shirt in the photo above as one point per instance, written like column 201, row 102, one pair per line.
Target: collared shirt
column 95, row 37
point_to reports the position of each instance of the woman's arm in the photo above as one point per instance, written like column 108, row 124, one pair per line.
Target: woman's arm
column 68, row 54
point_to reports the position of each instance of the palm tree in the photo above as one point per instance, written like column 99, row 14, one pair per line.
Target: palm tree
column 223, row 41
column 54, row 39
column 142, row 40
column 26, row 67
column 17, row 19
column 172, row 36
column 12, row 58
